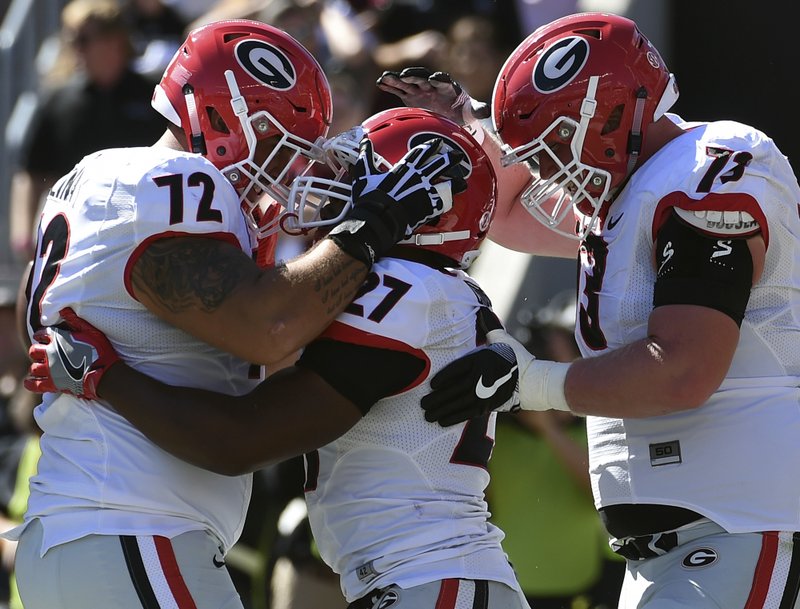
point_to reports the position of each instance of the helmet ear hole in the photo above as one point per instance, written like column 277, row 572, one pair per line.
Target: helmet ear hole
column 216, row 121
column 614, row 120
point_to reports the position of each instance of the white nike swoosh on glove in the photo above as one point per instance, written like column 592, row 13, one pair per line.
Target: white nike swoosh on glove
column 484, row 392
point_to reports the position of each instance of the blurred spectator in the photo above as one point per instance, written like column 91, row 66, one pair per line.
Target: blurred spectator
column 426, row 47
column 94, row 100
column 540, row 494
column 533, row 13
column 353, row 98
column 397, row 19
column 475, row 54
column 189, row 10
column 157, row 31
column 18, row 432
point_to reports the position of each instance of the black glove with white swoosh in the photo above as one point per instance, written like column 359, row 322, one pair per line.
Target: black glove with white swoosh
column 484, row 380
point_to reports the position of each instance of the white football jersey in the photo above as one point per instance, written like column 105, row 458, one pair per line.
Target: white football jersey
column 97, row 473
column 728, row 459
column 398, row 500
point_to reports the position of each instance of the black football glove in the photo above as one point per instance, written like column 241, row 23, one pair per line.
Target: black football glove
column 387, row 207
column 484, row 380
column 435, row 91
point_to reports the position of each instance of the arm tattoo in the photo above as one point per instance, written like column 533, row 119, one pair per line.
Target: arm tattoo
column 181, row 274
column 338, row 288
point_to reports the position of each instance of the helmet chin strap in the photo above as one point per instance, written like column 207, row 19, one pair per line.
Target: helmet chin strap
column 435, row 238
column 197, row 141
column 239, row 107
column 635, row 137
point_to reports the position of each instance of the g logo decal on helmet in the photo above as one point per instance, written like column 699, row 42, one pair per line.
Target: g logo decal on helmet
column 560, row 64
column 422, row 137
column 266, row 64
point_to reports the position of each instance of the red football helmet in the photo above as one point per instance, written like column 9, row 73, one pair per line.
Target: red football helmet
column 236, row 84
column 456, row 234
column 582, row 91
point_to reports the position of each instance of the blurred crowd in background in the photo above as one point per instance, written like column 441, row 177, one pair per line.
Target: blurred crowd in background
column 96, row 82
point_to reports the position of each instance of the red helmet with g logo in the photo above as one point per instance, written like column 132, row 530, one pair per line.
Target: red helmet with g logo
column 576, row 97
column 251, row 99
column 457, row 233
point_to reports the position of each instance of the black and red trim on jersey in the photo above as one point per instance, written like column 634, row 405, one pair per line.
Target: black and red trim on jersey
column 732, row 201
column 364, row 367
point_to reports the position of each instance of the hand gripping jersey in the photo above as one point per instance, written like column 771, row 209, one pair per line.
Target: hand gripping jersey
column 97, row 473
column 398, row 500
column 728, row 459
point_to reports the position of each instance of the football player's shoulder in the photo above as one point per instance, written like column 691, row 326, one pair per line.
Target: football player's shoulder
column 163, row 161
column 191, row 173
column 752, row 146
column 414, row 286
column 424, row 279
column 404, row 269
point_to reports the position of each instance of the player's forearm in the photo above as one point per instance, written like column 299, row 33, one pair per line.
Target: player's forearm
column 174, row 418
column 267, row 320
column 290, row 413
column 641, row 379
column 673, row 369
column 315, row 288
column 212, row 290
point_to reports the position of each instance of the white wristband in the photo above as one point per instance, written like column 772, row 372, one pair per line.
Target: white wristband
column 541, row 386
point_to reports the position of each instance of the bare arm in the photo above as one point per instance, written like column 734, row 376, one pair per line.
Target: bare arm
column 513, row 227
column 214, row 291
column 292, row 412
column 673, row 369
column 681, row 363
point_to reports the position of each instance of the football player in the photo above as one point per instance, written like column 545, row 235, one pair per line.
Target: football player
column 396, row 504
column 688, row 314
column 154, row 246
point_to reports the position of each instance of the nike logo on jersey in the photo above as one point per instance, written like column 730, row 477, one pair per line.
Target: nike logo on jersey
column 612, row 222
column 484, row 392
column 75, row 372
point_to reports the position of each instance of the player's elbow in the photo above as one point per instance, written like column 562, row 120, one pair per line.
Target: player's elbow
column 688, row 390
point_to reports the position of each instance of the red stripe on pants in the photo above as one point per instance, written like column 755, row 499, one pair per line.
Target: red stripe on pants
column 448, row 594
column 172, row 573
column 764, row 569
